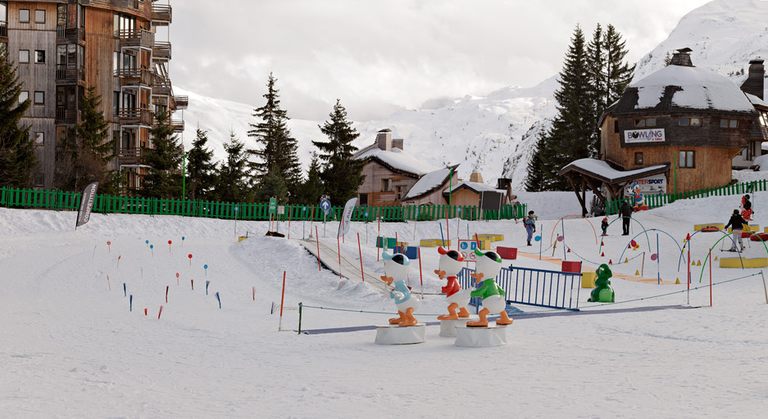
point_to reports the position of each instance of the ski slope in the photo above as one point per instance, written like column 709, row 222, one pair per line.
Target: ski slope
column 72, row 348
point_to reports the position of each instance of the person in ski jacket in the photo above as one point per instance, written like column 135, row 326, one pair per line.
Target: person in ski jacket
column 604, row 226
column 746, row 208
column 737, row 223
column 530, row 225
column 626, row 217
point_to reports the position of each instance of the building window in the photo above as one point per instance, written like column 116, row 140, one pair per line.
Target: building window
column 639, row 158
column 39, row 98
column 39, row 16
column 23, row 56
column 687, row 159
column 23, row 15
column 39, row 56
column 695, row 122
column 729, row 123
column 645, row 123
column 39, row 139
column 23, row 96
column 386, row 185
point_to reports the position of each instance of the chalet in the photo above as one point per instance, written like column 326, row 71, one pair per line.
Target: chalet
column 429, row 189
column 476, row 193
column 679, row 129
column 389, row 172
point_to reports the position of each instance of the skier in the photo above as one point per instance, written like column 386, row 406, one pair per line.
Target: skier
column 737, row 223
column 530, row 225
column 626, row 216
column 746, row 208
column 604, row 226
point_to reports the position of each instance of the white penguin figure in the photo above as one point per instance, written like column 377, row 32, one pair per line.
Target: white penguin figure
column 395, row 274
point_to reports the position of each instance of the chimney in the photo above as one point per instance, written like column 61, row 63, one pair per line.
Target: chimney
column 503, row 183
column 397, row 143
column 476, row 177
column 755, row 82
column 682, row 57
column 384, row 139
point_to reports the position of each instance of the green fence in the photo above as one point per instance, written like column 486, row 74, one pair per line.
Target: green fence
column 655, row 201
column 106, row 204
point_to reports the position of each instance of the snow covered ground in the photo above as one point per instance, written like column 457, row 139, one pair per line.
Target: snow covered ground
column 71, row 348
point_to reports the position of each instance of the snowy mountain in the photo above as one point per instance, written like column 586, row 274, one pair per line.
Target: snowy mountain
column 495, row 134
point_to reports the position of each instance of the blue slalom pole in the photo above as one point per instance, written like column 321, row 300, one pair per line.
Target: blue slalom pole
column 442, row 237
column 125, row 290
column 206, row 287
column 218, row 298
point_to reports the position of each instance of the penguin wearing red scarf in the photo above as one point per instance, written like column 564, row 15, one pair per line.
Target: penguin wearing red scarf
column 457, row 298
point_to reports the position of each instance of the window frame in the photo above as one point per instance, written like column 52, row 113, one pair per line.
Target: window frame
column 687, row 158
column 29, row 16
column 34, row 98
column 44, row 16
column 40, row 51
column 23, row 96
column 39, row 136
column 26, row 61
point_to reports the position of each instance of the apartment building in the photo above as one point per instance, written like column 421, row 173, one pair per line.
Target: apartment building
column 63, row 47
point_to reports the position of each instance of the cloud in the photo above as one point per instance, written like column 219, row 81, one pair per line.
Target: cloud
column 378, row 56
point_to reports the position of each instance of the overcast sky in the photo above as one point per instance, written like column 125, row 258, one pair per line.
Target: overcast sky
column 380, row 55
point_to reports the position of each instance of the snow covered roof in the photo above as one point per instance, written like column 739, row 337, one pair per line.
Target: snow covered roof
column 756, row 101
column 604, row 172
column 475, row 186
column 429, row 182
column 396, row 160
column 683, row 87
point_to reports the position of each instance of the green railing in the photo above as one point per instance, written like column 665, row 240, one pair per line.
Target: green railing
column 655, row 201
column 107, row 204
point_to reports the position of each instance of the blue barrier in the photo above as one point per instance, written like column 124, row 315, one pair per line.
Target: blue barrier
column 534, row 287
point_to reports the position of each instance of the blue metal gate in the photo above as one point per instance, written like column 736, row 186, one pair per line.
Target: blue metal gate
column 535, row 287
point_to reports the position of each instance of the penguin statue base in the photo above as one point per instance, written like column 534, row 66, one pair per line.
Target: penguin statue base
column 481, row 337
column 448, row 327
column 396, row 335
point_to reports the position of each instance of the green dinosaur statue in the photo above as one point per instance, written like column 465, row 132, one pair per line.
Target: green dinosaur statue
column 603, row 293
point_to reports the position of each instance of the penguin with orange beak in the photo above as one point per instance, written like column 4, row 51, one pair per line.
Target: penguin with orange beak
column 457, row 298
column 487, row 269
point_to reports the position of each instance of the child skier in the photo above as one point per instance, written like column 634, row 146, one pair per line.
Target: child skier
column 604, row 226
column 530, row 225
column 737, row 223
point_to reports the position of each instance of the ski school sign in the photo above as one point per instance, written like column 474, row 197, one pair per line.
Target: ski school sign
column 654, row 135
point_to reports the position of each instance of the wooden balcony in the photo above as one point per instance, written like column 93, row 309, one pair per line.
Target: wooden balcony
column 136, row 38
column 161, row 51
column 161, row 14
column 182, row 102
column 178, row 125
column 70, row 35
column 69, row 75
column 134, row 76
column 161, row 86
column 66, row 116
column 135, row 117
column 130, row 155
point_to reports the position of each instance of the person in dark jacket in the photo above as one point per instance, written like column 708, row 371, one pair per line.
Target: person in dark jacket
column 626, row 216
column 737, row 223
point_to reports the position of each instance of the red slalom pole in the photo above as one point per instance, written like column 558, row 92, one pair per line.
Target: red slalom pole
column 317, row 237
column 447, row 229
column 166, row 294
column 421, row 275
column 710, row 278
column 360, row 251
column 160, row 312
column 253, row 293
column 282, row 302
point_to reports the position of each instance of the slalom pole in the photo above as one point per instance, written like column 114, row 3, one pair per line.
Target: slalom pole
column 317, row 238
column 360, row 252
column 338, row 250
column 765, row 287
column 166, row 296
column 442, row 237
column 688, row 285
column 290, row 213
column 562, row 228
column 448, row 228
column 642, row 266
column 282, row 302
column 378, row 236
column 541, row 241
column 301, row 310
column 710, row 277
column 421, row 275
column 658, row 260
column 160, row 312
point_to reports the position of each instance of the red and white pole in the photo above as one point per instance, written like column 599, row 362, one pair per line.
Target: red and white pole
column 710, row 277
column 317, row 238
column 282, row 302
column 360, row 252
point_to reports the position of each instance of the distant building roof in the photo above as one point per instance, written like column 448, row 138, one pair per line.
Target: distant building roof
column 601, row 170
column 396, row 160
column 474, row 186
column 680, row 88
column 429, row 183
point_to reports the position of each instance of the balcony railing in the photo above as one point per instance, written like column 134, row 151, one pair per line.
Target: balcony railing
column 135, row 117
column 66, row 116
column 130, row 155
column 69, row 74
column 161, row 51
column 161, row 14
column 136, row 38
column 134, row 76
column 161, row 86
column 178, row 125
column 70, row 35
column 182, row 102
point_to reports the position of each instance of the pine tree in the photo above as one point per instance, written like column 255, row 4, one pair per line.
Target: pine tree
column 163, row 178
column 595, row 99
column 313, row 187
column 200, row 168
column 231, row 181
column 341, row 174
column 84, row 154
column 618, row 71
column 534, row 182
column 276, row 151
column 17, row 153
column 272, row 186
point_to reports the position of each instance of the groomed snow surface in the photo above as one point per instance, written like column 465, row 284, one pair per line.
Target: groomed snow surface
column 71, row 348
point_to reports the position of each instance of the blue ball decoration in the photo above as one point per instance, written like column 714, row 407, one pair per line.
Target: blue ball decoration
column 537, row 238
